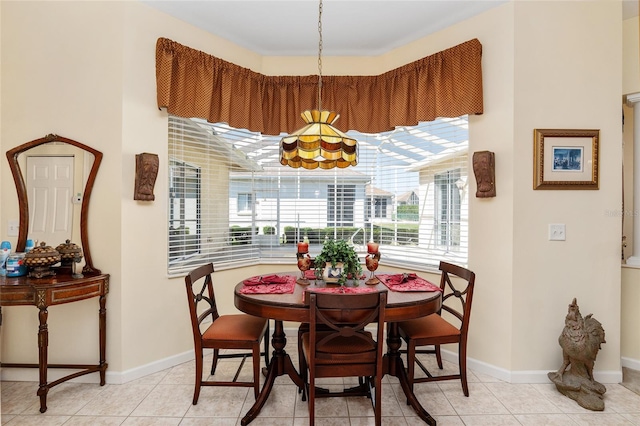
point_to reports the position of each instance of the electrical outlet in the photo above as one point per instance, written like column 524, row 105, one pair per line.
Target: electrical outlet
column 12, row 231
column 557, row 232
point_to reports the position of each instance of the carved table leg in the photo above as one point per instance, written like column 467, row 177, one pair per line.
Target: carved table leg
column 43, row 343
column 103, row 338
column 280, row 365
column 395, row 367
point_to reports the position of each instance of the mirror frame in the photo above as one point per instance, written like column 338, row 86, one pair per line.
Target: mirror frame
column 23, row 203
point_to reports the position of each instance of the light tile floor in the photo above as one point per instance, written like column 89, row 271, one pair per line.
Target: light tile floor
column 164, row 398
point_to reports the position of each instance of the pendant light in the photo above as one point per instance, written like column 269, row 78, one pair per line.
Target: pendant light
column 318, row 144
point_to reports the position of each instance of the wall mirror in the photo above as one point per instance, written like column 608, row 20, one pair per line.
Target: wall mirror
column 54, row 177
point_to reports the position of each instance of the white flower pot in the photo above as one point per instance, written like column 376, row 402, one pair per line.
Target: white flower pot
column 332, row 275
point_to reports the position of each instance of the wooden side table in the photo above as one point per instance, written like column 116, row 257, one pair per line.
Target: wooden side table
column 56, row 290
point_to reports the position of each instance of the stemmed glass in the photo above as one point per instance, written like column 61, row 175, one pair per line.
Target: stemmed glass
column 371, row 261
column 304, row 262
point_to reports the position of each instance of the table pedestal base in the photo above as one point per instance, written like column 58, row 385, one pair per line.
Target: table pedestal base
column 280, row 365
column 394, row 366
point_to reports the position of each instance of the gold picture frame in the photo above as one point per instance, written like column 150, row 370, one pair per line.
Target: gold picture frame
column 565, row 159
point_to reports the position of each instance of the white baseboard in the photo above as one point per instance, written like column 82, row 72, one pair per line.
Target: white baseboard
column 31, row 374
column 533, row 376
column 147, row 369
column 631, row 363
column 112, row 377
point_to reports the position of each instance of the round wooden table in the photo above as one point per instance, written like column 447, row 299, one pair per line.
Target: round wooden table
column 291, row 307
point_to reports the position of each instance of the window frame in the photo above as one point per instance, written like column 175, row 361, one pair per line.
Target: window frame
column 247, row 202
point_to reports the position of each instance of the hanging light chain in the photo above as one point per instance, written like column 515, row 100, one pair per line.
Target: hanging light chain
column 320, row 56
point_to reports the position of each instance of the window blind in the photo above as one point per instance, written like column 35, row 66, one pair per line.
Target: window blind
column 232, row 203
column 199, row 207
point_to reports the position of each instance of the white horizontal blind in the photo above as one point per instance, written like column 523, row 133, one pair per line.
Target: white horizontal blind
column 417, row 201
column 408, row 192
column 200, row 163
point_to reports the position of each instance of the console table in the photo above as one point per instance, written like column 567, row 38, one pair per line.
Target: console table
column 55, row 290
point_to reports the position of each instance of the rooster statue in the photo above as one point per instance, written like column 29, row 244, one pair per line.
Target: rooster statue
column 371, row 261
column 304, row 264
column 580, row 340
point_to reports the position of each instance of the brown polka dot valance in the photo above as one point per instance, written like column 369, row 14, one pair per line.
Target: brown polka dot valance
column 191, row 83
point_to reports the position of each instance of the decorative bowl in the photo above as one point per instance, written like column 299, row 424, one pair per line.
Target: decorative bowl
column 40, row 259
column 69, row 253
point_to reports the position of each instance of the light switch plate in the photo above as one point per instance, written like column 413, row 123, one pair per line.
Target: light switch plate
column 12, row 230
column 557, row 232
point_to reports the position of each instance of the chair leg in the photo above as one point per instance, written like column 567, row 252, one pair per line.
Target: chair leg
column 378, row 406
column 303, row 375
column 301, row 361
column 196, row 392
column 266, row 346
column 438, row 356
column 256, row 369
column 462, row 363
column 312, row 400
column 214, row 363
column 411, row 362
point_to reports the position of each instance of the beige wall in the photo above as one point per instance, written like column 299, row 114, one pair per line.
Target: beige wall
column 567, row 82
column 631, row 60
column 63, row 71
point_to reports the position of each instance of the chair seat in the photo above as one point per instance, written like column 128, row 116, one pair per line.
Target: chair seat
column 342, row 350
column 238, row 327
column 430, row 327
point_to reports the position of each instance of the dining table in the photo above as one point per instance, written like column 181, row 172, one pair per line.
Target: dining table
column 286, row 301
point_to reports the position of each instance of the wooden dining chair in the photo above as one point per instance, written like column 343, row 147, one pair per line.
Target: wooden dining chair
column 235, row 331
column 434, row 330
column 337, row 345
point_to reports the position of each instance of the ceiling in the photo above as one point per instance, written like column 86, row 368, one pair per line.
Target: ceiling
column 349, row 28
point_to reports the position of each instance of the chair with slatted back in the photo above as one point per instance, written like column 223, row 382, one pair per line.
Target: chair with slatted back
column 337, row 344
column 434, row 330
column 234, row 331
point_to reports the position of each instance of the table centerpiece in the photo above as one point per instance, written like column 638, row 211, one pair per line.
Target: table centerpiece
column 337, row 262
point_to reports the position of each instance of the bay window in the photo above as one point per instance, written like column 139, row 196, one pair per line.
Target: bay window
column 232, row 203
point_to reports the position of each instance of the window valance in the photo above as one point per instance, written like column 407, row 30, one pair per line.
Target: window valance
column 191, row 83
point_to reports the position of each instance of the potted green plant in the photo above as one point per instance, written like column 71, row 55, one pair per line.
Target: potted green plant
column 334, row 253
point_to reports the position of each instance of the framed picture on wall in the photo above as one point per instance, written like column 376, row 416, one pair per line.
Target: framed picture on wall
column 565, row 159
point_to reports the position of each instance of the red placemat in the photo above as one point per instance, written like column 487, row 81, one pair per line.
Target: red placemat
column 271, row 284
column 266, row 279
column 407, row 282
